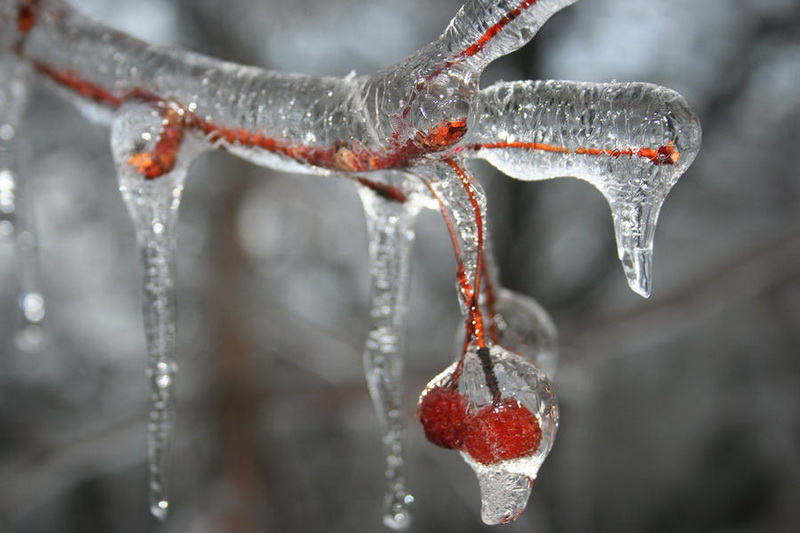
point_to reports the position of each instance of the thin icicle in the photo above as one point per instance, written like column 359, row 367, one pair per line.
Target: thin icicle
column 153, row 205
column 390, row 227
column 16, row 209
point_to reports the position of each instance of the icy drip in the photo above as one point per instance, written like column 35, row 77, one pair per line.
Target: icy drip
column 391, row 235
column 156, row 240
column 154, row 209
column 16, row 209
column 492, row 436
column 153, row 206
column 632, row 141
column 8, row 181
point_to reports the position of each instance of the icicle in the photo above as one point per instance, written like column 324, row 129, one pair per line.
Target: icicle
column 504, row 439
column 630, row 140
column 16, row 209
column 31, row 334
column 153, row 203
column 390, row 227
column 8, row 181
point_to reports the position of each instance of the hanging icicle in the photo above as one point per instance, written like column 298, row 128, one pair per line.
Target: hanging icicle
column 390, row 228
column 147, row 139
column 17, row 223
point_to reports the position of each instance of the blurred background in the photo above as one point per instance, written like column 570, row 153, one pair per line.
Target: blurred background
column 679, row 413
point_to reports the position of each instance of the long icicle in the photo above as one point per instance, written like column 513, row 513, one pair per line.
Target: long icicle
column 16, row 208
column 153, row 205
column 391, row 235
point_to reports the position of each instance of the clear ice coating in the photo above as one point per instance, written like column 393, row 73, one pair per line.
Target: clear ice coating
column 420, row 119
column 525, row 328
column 632, row 141
column 463, row 205
column 507, row 470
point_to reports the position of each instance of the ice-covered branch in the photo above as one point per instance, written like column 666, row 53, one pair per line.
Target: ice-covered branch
column 420, row 119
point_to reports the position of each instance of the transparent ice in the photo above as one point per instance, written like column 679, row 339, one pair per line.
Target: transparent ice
column 390, row 227
column 16, row 210
column 505, row 486
column 405, row 134
column 577, row 116
column 153, row 207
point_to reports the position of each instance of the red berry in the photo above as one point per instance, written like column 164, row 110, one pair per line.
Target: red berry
column 443, row 413
column 503, row 431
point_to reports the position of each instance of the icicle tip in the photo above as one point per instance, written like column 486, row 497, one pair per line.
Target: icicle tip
column 160, row 509
column 638, row 266
column 399, row 515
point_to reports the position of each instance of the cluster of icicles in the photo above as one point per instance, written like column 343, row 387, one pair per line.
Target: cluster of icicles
column 403, row 135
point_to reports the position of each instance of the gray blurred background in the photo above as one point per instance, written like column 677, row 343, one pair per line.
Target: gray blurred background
column 679, row 413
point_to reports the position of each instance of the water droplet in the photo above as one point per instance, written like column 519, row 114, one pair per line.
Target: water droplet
column 160, row 509
column 30, row 338
column 33, row 307
column 6, row 228
column 6, row 132
column 163, row 381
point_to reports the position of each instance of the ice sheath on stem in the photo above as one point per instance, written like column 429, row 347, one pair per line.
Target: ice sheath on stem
column 153, row 206
column 390, row 229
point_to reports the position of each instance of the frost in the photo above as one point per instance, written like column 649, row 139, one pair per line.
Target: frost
column 404, row 135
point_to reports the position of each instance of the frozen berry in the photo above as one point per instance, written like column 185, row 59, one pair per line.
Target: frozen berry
column 502, row 431
column 443, row 413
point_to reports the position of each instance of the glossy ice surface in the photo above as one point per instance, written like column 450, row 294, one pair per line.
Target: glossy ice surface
column 505, row 476
column 404, row 134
